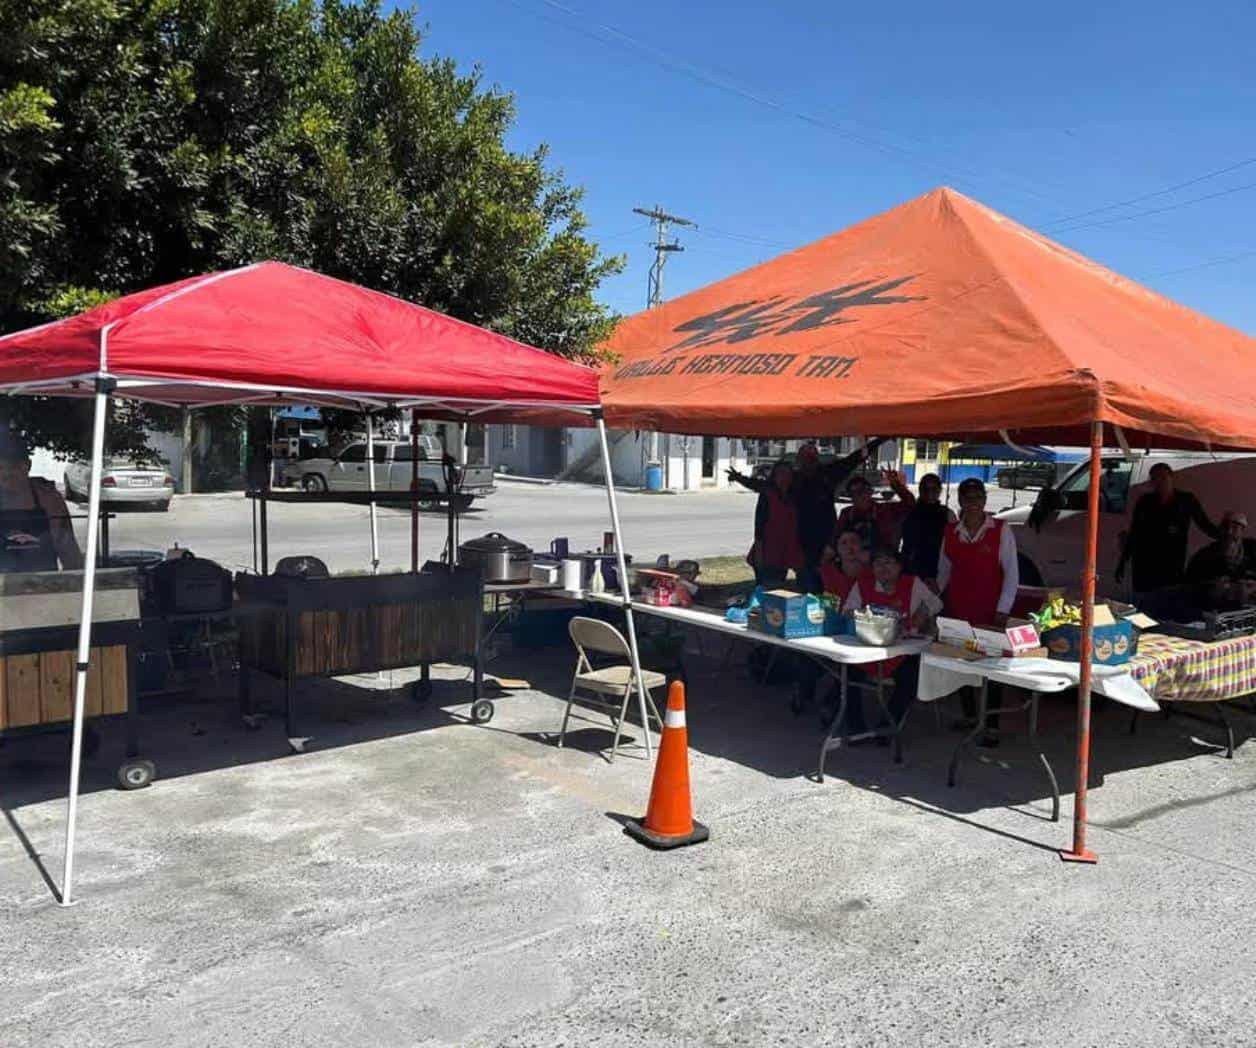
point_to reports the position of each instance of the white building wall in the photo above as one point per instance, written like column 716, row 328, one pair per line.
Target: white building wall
column 628, row 459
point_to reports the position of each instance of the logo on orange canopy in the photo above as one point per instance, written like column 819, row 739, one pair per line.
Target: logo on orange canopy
column 747, row 320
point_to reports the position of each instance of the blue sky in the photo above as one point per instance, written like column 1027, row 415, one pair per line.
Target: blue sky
column 773, row 127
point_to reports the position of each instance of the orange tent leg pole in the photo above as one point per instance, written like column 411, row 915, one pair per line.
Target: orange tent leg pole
column 1079, row 852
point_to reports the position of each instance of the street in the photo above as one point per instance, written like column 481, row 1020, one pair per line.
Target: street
column 703, row 524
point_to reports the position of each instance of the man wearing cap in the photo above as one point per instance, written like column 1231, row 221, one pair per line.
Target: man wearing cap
column 815, row 492
column 978, row 577
column 1159, row 533
column 35, row 532
column 1232, row 558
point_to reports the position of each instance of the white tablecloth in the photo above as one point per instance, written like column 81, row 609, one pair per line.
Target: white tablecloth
column 941, row 675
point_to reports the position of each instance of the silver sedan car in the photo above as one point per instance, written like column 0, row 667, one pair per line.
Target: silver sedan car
column 123, row 483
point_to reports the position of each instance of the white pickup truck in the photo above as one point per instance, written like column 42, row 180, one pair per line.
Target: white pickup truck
column 1051, row 536
column 393, row 467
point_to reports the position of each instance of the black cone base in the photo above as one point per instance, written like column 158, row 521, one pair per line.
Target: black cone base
column 636, row 830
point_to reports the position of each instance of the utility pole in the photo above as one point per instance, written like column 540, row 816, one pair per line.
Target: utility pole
column 654, row 286
column 662, row 248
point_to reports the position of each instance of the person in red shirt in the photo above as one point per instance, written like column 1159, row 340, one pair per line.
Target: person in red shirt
column 776, row 550
column 978, row 576
column 879, row 524
column 886, row 585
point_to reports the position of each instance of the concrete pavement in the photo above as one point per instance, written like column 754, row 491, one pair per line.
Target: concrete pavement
column 416, row 880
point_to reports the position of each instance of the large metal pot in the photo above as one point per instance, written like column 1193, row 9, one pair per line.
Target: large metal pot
column 499, row 558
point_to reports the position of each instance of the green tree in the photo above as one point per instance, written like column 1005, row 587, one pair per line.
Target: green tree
column 142, row 141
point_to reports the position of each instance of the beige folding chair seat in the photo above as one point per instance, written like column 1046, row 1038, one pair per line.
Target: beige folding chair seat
column 617, row 682
column 613, row 679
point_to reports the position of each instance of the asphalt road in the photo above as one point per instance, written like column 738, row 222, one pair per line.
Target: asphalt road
column 701, row 524
column 220, row 526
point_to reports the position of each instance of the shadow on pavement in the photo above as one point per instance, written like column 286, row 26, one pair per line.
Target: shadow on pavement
column 733, row 717
column 190, row 733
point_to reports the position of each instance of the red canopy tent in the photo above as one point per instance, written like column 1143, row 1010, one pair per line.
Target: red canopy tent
column 272, row 334
column 939, row 318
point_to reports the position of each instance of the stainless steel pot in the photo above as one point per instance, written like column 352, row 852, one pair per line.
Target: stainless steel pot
column 499, row 558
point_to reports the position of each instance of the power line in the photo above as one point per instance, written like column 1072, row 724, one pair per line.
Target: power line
column 617, row 236
column 726, row 83
column 744, row 238
column 1151, row 196
column 1160, row 210
column 1204, row 265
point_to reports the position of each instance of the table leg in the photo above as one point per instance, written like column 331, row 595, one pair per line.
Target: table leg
column 1222, row 719
column 1046, row 764
column 896, row 726
column 971, row 737
column 296, row 741
column 1229, row 732
column 833, row 739
column 132, row 701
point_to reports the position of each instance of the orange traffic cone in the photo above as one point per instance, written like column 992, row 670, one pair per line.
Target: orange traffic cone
column 669, row 819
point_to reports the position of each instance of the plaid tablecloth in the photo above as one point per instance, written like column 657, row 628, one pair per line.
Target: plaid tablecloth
column 1179, row 670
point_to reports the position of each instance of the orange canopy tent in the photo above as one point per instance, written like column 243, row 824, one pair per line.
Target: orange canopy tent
column 942, row 318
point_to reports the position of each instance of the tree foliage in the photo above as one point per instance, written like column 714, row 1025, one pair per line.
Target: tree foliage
column 142, row 141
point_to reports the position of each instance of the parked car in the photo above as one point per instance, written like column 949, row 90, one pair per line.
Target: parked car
column 1051, row 534
column 347, row 471
column 122, row 483
column 298, row 438
column 1026, row 475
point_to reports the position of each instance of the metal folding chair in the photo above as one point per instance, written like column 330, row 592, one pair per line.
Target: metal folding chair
column 609, row 688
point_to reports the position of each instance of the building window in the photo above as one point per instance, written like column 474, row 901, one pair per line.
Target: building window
column 508, row 438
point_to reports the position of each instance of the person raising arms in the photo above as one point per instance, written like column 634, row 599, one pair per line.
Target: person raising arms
column 776, row 550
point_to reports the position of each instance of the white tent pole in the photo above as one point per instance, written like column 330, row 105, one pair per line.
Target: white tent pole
column 370, row 482
column 623, row 579
column 85, row 634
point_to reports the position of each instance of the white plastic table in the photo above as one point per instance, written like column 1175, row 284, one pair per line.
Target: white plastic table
column 835, row 655
column 941, row 675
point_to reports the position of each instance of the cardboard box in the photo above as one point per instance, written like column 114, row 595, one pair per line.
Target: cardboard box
column 960, row 639
column 1117, row 628
column 784, row 613
column 950, row 651
column 1115, row 643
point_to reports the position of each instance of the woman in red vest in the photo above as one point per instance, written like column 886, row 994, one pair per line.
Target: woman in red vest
column 776, row 550
column 843, row 564
column 886, row 585
column 978, row 577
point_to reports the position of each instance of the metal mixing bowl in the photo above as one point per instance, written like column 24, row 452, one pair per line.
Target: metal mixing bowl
column 879, row 631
